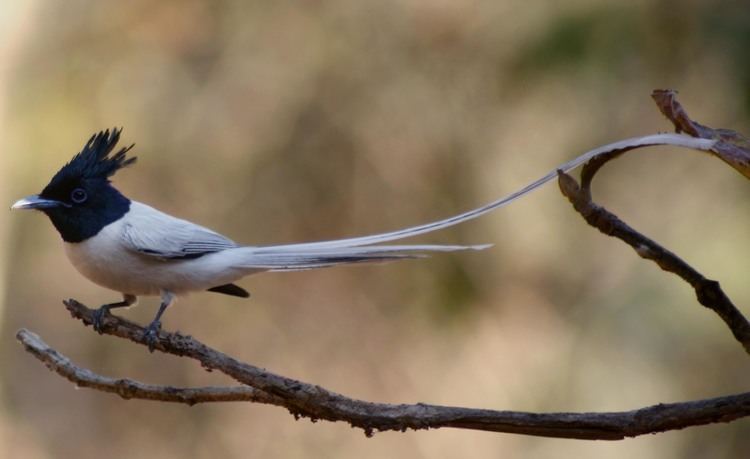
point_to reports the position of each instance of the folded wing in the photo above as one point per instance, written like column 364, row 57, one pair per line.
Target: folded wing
column 154, row 233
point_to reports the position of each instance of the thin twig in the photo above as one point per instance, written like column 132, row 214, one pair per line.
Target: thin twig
column 128, row 388
column 708, row 292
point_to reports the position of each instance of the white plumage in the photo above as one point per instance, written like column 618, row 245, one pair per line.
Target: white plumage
column 147, row 252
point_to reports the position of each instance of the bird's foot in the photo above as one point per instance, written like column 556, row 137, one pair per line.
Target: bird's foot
column 151, row 335
column 99, row 318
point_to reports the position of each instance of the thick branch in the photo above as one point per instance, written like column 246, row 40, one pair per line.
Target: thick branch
column 315, row 402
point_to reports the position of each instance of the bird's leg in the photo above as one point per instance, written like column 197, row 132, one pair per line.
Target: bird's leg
column 127, row 300
column 152, row 331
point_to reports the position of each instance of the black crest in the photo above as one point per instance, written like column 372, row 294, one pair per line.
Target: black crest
column 94, row 161
column 87, row 200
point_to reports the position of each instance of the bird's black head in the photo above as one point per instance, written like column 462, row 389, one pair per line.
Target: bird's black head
column 79, row 199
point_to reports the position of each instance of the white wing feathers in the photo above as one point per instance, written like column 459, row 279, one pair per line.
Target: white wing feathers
column 151, row 232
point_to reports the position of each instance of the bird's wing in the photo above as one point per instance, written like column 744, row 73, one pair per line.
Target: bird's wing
column 154, row 233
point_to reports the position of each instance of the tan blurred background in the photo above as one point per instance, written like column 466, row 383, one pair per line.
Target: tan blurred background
column 294, row 121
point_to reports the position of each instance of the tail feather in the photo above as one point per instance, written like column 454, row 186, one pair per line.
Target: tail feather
column 278, row 258
column 322, row 254
column 656, row 139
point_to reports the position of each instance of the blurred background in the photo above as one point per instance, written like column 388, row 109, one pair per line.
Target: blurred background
column 279, row 121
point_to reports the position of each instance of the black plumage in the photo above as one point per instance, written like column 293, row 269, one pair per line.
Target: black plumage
column 88, row 202
column 230, row 289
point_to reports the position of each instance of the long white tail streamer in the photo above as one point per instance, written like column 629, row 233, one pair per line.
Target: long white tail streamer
column 678, row 140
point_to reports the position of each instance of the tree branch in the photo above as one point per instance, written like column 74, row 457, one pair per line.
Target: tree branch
column 315, row 402
column 307, row 400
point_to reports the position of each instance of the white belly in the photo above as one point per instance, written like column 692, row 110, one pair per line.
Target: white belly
column 107, row 261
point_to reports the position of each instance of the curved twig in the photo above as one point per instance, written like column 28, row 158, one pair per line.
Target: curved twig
column 708, row 291
column 731, row 148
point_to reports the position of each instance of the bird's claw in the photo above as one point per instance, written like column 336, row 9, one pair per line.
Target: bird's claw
column 98, row 321
column 151, row 335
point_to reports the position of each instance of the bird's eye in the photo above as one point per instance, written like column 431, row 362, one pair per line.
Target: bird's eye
column 78, row 195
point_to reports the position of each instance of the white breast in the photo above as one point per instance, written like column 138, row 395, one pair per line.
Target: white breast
column 106, row 262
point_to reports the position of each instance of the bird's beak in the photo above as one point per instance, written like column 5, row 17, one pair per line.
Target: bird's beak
column 35, row 202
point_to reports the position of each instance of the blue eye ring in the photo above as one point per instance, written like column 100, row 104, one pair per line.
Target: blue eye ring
column 78, row 195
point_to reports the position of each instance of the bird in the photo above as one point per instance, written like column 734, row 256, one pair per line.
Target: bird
column 136, row 250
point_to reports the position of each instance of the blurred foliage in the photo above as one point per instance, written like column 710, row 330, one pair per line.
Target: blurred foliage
column 290, row 121
column 602, row 38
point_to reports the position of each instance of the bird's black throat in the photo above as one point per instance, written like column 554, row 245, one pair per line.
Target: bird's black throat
column 78, row 223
